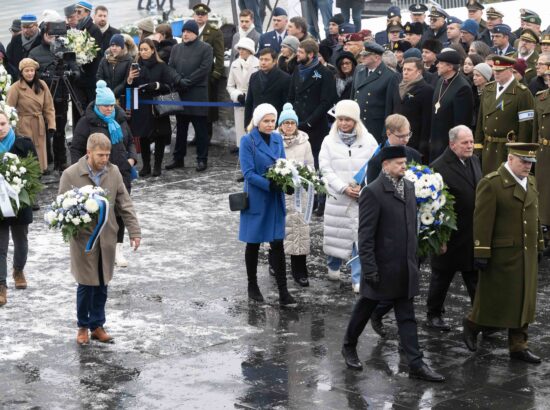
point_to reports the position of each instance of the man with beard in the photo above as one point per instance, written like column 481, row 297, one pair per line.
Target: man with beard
column 527, row 52
column 21, row 45
column 452, row 102
column 501, row 40
column 312, row 93
column 438, row 27
column 538, row 83
column 413, row 33
column 101, row 15
column 387, row 214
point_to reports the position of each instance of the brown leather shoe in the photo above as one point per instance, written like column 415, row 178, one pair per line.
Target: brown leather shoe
column 101, row 335
column 3, row 295
column 19, row 279
column 82, row 336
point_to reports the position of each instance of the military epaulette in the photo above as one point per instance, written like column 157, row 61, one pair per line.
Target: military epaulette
column 529, row 69
column 492, row 175
column 522, row 86
column 543, row 94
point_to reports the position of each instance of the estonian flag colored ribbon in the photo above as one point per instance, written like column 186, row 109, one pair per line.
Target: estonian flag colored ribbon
column 102, row 219
column 361, row 176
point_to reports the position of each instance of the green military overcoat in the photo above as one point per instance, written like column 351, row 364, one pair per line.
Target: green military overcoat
column 213, row 36
column 506, row 119
column 531, row 71
column 507, row 232
column 541, row 134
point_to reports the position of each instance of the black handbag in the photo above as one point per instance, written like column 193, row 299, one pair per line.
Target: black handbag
column 238, row 201
column 169, row 109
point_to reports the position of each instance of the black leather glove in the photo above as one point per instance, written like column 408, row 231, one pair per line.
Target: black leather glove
column 151, row 86
column 273, row 187
column 481, row 263
column 182, row 86
column 289, row 190
column 373, row 279
column 241, row 98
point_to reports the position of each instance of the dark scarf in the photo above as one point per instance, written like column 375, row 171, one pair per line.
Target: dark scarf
column 265, row 137
column 306, row 70
column 83, row 23
column 149, row 63
column 398, row 184
column 404, row 87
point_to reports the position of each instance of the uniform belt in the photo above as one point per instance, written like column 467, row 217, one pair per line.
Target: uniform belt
column 544, row 141
column 488, row 138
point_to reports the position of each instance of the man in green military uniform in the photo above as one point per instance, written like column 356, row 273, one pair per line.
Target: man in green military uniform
column 505, row 115
column 507, row 245
column 210, row 34
column 527, row 51
column 541, row 133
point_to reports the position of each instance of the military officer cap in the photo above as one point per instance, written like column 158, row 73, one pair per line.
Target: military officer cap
column 346, row 28
column 453, row 20
column 502, row 29
column 492, row 13
column 418, row 8
column 436, row 11
column 530, row 17
column 529, row 35
column 392, row 151
column 474, row 5
column 545, row 38
column 279, row 11
column 451, row 57
column 501, row 63
column 201, row 9
column 394, row 26
column 394, row 11
column 401, row 45
column 523, row 150
column 413, row 28
column 373, row 48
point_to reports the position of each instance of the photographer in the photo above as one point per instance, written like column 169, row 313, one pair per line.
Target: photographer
column 54, row 69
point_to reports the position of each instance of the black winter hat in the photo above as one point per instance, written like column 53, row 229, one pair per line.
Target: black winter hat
column 337, row 19
column 432, row 45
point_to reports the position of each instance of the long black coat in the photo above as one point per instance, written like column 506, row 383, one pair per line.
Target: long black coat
column 115, row 75
column 311, row 99
column 22, row 147
column 120, row 153
column 375, row 94
column 106, row 38
column 274, row 93
column 375, row 165
column 387, row 240
column 88, row 78
column 164, row 48
column 15, row 52
column 416, row 105
column 456, row 108
column 193, row 62
column 462, row 185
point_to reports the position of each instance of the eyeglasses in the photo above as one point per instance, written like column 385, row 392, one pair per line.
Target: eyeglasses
column 288, row 123
column 404, row 136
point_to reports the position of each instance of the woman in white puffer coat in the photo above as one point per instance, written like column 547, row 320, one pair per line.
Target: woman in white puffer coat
column 297, row 239
column 344, row 152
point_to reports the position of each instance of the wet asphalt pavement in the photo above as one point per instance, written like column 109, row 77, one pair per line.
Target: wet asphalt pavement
column 186, row 336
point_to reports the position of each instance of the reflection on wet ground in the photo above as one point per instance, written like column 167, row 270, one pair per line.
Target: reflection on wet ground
column 187, row 337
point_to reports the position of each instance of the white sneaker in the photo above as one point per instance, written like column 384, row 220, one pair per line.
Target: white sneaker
column 333, row 274
column 355, row 287
column 120, row 260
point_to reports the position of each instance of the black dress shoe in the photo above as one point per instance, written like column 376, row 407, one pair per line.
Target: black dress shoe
column 424, row 372
column 437, row 323
column 378, row 326
column 240, row 179
column 174, row 165
column 351, row 358
column 301, row 280
column 201, row 166
column 193, row 142
column 525, row 356
column 254, row 292
column 145, row 170
column 234, row 150
column 469, row 336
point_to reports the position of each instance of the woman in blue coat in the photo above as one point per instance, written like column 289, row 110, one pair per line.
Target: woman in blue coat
column 264, row 219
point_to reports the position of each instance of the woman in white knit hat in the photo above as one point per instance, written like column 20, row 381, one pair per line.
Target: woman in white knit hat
column 237, row 83
column 345, row 150
column 264, row 218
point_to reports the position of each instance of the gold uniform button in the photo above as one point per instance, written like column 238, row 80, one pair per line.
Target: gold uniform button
column 476, row 243
column 526, row 248
column 525, row 222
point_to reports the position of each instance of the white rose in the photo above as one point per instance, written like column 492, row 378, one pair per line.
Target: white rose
column 22, row 170
column 86, row 218
column 87, row 189
column 50, row 216
column 91, row 206
column 13, row 168
column 76, row 221
column 67, row 203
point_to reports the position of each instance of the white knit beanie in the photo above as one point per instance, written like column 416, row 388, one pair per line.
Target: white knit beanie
column 261, row 111
column 349, row 109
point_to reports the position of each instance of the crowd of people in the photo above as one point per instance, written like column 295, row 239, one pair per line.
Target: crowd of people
column 469, row 98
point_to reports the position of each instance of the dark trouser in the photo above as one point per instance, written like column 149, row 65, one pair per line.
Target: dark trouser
column 58, row 143
column 276, row 258
column 201, row 136
column 121, row 229
column 20, row 248
column 383, row 307
column 439, row 286
column 90, row 302
column 355, row 15
column 406, row 325
column 517, row 337
column 253, row 6
column 145, row 144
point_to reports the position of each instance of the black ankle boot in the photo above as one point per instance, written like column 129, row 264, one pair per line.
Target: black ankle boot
column 159, row 156
column 254, row 292
column 285, row 298
column 299, row 269
column 145, row 170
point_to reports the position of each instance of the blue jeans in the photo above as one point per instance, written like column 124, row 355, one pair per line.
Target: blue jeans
column 334, row 263
column 325, row 7
column 90, row 306
column 355, row 15
column 253, row 6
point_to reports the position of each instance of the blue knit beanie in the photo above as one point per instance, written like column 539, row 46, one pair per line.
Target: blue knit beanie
column 471, row 26
column 192, row 26
column 288, row 113
column 103, row 94
column 117, row 40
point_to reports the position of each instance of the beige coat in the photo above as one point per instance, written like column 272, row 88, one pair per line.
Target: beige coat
column 84, row 267
column 34, row 110
column 297, row 235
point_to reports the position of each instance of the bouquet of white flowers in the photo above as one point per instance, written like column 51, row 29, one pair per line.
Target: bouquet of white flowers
column 436, row 214
column 11, row 112
column 82, row 44
column 5, row 82
column 309, row 174
column 284, row 173
column 75, row 210
column 19, row 183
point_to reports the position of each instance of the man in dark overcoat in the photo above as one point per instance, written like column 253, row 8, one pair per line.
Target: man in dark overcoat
column 312, row 93
column 389, row 266
column 269, row 84
column 192, row 60
column 461, row 171
column 453, row 102
column 373, row 88
column 21, row 44
column 507, row 246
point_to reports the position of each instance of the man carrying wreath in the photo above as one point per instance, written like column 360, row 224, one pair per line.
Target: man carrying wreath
column 93, row 270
